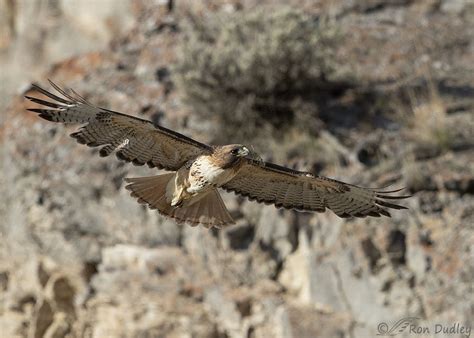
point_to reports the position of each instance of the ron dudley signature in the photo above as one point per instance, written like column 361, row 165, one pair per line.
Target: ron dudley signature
column 409, row 325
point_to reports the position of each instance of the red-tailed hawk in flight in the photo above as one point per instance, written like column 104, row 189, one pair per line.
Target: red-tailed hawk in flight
column 189, row 194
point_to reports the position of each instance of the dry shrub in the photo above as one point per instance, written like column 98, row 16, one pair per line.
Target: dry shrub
column 258, row 71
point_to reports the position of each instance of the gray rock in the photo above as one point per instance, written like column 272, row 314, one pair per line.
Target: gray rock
column 225, row 312
column 456, row 6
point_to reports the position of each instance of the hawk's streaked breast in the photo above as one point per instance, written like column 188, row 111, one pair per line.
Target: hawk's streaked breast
column 206, row 173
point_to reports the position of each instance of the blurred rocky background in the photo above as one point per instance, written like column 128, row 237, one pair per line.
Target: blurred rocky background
column 372, row 92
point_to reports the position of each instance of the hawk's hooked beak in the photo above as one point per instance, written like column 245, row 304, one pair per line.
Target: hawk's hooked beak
column 243, row 152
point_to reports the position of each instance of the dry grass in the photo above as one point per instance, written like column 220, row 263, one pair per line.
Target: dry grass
column 428, row 120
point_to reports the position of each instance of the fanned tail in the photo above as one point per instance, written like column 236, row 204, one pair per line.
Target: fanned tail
column 209, row 210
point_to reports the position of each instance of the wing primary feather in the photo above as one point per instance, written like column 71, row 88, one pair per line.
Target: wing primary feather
column 81, row 98
column 62, row 91
column 46, row 103
column 38, row 110
column 387, row 191
column 51, row 95
column 393, row 197
column 373, row 214
column 384, row 212
column 389, row 205
column 43, row 113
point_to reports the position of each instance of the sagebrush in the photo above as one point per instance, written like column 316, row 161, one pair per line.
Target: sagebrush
column 258, row 70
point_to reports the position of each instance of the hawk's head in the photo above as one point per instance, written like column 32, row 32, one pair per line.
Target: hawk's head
column 238, row 150
column 229, row 155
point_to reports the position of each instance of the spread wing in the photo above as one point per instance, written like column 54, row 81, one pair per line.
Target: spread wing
column 272, row 184
column 133, row 139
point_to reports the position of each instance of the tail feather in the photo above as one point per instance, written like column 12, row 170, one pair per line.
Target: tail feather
column 209, row 210
column 149, row 190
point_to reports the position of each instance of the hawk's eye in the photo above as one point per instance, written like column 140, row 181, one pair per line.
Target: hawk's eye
column 235, row 151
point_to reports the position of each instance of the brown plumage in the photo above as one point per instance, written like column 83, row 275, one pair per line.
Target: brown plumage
column 189, row 194
column 208, row 211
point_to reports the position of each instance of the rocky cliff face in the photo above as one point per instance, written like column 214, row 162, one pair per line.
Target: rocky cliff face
column 79, row 257
column 36, row 34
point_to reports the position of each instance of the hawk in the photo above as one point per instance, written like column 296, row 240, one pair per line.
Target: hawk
column 189, row 194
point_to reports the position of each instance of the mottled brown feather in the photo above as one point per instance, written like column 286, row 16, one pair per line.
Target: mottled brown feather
column 291, row 189
column 133, row 139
